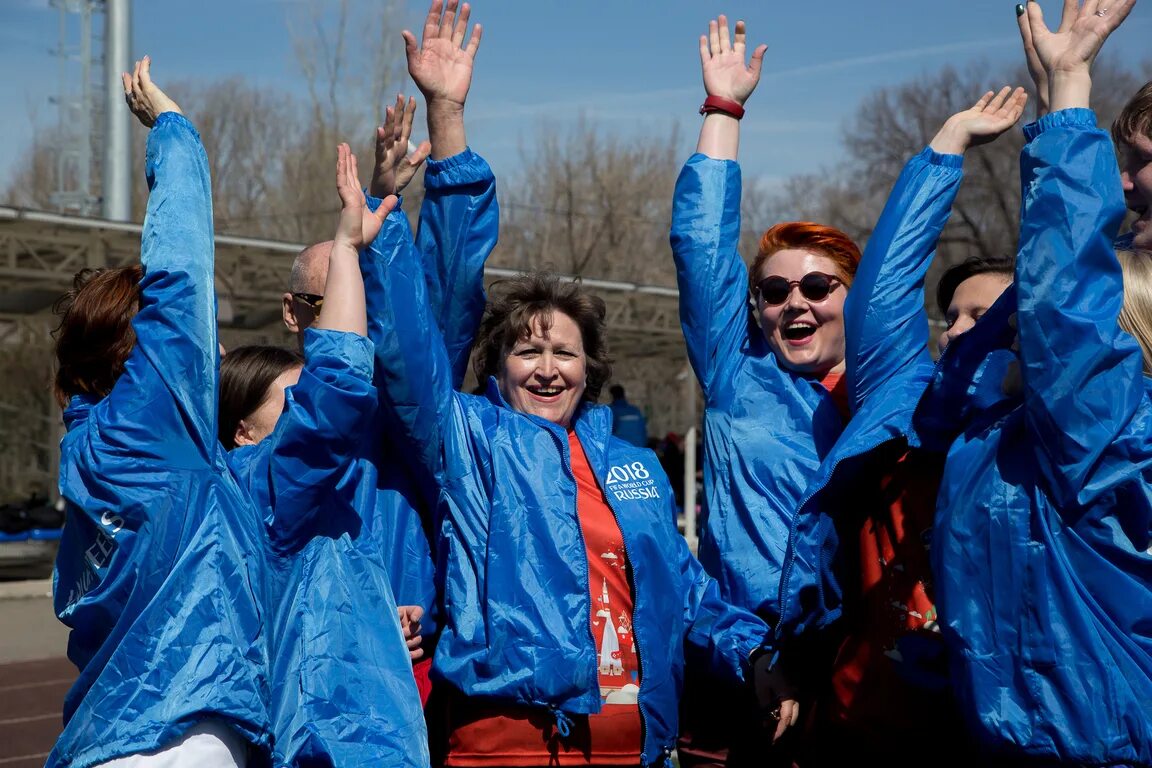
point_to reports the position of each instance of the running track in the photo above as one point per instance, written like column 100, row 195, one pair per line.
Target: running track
column 31, row 702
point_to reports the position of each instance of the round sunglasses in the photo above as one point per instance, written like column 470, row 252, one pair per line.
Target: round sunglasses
column 814, row 286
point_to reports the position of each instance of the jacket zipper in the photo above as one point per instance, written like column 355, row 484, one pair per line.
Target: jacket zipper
column 786, row 572
column 564, row 453
column 635, row 635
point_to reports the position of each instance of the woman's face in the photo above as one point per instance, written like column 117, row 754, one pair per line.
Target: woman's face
column 971, row 300
column 545, row 373
column 1136, row 178
column 806, row 334
column 259, row 424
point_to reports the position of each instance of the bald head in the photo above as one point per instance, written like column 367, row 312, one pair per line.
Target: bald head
column 310, row 269
column 309, row 274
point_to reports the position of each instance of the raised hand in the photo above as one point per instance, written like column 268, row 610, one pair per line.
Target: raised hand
column 1067, row 53
column 983, row 122
column 1082, row 32
column 394, row 170
column 357, row 225
column 722, row 58
column 144, row 97
column 1035, row 68
column 441, row 66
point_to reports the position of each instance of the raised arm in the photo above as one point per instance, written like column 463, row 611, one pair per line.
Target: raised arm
column 329, row 415
column 728, row 82
column 887, row 325
column 441, row 67
column 176, row 348
column 327, row 422
column 458, row 227
column 412, row 369
column 706, row 215
column 1082, row 375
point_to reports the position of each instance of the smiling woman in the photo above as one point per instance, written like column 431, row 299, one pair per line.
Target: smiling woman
column 554, row 533
column 543, row 340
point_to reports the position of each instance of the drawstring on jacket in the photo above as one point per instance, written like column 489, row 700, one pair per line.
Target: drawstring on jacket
column 563, row 723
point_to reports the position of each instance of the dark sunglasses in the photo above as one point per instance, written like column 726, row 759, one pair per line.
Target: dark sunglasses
column 814, row 286
column 311, row 299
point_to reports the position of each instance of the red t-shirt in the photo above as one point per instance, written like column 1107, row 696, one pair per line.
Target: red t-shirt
column 890, row 674
column 837, row 386
column 490, row 735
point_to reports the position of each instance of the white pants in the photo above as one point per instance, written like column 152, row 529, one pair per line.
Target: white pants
column 211, row 743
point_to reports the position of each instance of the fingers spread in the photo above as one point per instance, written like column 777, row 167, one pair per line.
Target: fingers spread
column 998, row 100
column 1068, row 15
column 432, row 20
column 460, row 28
column 448, row 21
column 474, row 43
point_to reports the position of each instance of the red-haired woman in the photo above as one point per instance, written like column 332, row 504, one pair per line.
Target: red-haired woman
column 778, row 401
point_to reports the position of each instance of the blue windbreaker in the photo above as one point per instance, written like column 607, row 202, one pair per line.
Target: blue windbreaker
column 342, row 687
column 628, row 423
column 515, row 572
column 773, row 439
column 459, row 221
column 161, row 572
column 1041, row 548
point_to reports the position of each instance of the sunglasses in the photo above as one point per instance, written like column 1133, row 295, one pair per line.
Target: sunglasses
column 311, row 299
column 814, row 286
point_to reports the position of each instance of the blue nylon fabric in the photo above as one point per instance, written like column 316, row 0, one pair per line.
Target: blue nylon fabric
column 342, row 686
column 162, row 572
column 887, row 366
column 628, row 423
column 458, row 228
column 1041, row 548
column 773, row 439
column 766, row 430
column 512, row 556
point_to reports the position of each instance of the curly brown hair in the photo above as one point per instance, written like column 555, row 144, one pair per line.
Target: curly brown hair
column 512, row 306
column 95, row 334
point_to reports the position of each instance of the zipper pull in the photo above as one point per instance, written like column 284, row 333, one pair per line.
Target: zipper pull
column 563, row 723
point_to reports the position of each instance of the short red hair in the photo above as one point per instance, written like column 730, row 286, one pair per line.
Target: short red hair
column 808, row 236
column 95, row 334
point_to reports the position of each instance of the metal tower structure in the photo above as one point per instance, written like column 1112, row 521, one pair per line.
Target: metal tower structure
column 79, row 111
column 93, row 161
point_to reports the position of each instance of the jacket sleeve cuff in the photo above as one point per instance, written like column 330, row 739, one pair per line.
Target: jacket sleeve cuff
column 1065, row 118
column 700, row 159
column 932, row 157
column 329, row 354
column 175, row 118
column 459, row 170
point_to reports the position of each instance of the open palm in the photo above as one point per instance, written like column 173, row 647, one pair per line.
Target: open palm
column 992, row 115
column 722, row 57
column 441, row 66
column 1073, row 46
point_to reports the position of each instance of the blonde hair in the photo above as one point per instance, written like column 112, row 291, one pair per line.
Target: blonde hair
column 1136, row 312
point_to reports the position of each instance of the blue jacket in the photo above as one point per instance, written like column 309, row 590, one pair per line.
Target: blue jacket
column 774, row 439
column 342, row 687
column 1041, row 547
column 161, row 572
column 515, row 573
column 628, row 423
column 459, row 220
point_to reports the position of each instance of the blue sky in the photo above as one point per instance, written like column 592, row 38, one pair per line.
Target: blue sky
column 630, row 66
